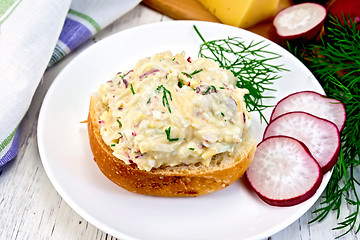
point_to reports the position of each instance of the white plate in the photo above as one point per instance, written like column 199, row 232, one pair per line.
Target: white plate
column 233, row 213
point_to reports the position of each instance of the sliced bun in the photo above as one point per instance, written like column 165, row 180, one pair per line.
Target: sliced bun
column 177, row 181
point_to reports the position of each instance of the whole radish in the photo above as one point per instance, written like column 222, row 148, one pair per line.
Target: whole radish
column 323, row 2
column 300, row 22
column 346, row 9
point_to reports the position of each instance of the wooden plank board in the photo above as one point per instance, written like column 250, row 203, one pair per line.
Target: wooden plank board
column 181, row 9
column 193, row 10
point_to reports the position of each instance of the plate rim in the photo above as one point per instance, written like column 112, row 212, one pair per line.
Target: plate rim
column 57, row 79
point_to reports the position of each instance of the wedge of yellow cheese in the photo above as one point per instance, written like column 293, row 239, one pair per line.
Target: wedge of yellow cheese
column 241, row 13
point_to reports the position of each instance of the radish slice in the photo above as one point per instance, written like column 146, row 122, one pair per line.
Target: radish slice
column 320, row 135
column 282, row 172
column 313, row 103
column 303, row 21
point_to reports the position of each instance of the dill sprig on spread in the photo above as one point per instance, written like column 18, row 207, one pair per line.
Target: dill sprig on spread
column 249, row 62
column 189, row 75
column 180, row 83
column 167, row 132
column 209, row 88
column 118, row 121
column 166, row 93
column 132, row 89
column 335, row 61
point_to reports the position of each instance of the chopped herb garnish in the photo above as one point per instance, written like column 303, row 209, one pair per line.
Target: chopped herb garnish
column 192, row 149
column 148, row 101
column 112, row 145
column 120, row 125
column 222, row 114
column 209, row 88
column 190, row 75
column 121, row 76
column 187, row 74
column 132, row 89
column 196, row 72
column 166, row 93
column 222, row 88
column 173, row 59
column 180, row 83
column 120, row 134
column 167, row 131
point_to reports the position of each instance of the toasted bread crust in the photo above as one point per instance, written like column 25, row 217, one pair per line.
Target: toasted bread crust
column 178, row 181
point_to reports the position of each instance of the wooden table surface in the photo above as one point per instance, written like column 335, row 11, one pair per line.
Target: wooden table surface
column 30, row 207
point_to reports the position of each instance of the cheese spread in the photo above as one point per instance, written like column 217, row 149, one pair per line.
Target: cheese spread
column 172, row 110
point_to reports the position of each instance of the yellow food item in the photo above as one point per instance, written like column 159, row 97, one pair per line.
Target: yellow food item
column 241, row 13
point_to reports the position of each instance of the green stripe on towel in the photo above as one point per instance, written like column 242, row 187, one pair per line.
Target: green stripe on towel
column 87, row 18
column 7, row 7
column 7, row 140
column 57, row 54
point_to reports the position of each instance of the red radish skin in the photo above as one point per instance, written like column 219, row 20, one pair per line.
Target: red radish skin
column 301, row 21
column 313, row 103
column 322, row 2
column 283, row 173
column 321, row 136
column 346, row 8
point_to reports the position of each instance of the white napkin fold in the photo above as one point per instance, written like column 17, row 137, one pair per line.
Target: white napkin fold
column 29, row 33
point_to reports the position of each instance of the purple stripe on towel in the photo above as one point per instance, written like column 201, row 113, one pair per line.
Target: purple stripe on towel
column 11, row 153
column 74, row 34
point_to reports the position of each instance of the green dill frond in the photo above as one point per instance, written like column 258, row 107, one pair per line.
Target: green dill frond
column 250, row 62
column 335, row 61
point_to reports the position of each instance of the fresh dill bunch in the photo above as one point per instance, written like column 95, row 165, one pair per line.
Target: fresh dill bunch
column 249, row 62
column 335, row 61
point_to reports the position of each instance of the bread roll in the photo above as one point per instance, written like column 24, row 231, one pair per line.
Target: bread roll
column 173, row 179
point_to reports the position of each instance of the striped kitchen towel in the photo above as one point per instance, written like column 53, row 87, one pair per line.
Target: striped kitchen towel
column 29, row 33
column 85, row 18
